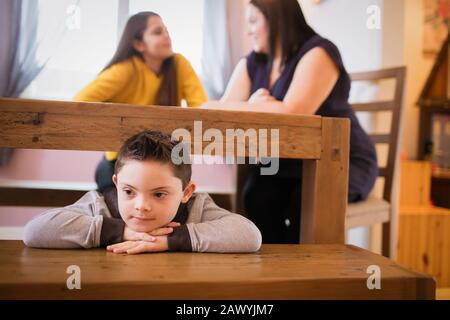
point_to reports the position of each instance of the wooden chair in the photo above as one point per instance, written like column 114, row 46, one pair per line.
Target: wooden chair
column 381, row 210
column 373, row 210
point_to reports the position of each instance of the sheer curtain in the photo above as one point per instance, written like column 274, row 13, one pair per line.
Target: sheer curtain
column 18, row 50
column 18, row 47
column 224, row 42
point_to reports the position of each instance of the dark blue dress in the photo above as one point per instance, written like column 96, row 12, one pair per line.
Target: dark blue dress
column 273, row 202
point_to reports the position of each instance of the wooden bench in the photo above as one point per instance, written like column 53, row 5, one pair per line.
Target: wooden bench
column 322, row 142
column 275, row 272
column 41, row 193
column 322, row 267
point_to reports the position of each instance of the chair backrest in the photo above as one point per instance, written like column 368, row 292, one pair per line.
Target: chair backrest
column 395, row 107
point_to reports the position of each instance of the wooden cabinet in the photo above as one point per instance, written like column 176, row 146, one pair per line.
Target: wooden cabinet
column 424, row 230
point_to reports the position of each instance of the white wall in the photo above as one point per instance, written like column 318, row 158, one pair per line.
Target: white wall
column 345, row 23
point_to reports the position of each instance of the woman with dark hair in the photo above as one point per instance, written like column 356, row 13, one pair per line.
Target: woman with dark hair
column 293, row 70
column 144, row 70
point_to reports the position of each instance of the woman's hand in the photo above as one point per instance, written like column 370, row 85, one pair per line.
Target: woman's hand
column 160, row 244
column 261, row 95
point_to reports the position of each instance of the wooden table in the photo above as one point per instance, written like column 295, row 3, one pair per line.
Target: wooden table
column 276, row 272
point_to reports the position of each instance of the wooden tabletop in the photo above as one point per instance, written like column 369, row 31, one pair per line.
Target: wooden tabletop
column 275, row 272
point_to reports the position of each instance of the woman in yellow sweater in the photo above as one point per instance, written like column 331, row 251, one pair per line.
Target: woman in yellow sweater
column 144, row 70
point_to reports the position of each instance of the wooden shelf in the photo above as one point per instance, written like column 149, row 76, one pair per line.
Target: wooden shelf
column 436, row 103
column 434, row 99
column 440, row 173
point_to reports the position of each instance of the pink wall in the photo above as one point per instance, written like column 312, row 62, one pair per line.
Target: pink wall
column 79, row 166
column 50, row 165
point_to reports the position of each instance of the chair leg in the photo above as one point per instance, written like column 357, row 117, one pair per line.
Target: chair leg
column 243, row 171
column 386, row 240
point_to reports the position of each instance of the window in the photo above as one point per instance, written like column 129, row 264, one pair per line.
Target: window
column 77, row 55
column 80, row 36
column 184, row 20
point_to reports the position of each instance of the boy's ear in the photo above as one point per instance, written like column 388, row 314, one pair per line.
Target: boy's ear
column 188, row 191
column 114, row 179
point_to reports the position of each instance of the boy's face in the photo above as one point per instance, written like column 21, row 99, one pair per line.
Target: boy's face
column 149, row 194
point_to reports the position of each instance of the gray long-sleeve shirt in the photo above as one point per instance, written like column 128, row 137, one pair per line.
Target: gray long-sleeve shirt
column 93, row 222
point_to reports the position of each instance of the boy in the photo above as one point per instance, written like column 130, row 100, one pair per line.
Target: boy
column 152, row 209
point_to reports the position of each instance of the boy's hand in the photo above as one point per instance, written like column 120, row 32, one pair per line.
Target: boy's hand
column 131, row 235
column 165, row 230
column 133, row 247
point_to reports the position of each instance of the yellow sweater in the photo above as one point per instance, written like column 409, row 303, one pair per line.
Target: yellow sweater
column 132, row 82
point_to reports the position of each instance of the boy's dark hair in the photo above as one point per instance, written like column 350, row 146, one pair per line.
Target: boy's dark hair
column 156, row 146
